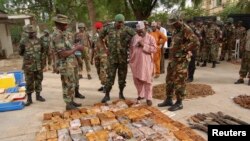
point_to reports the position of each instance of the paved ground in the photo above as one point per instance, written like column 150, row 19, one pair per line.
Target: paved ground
column 22, row 125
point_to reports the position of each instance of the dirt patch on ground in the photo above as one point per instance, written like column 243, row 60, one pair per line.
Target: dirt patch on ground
column 192, row 90
column 243, row 101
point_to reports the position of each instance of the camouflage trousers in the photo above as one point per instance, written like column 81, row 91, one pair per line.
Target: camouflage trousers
column 245, row 65
column 101, row 67
column 47, row 60
column 213, row 51
column 86, row 59
column 176, row 78
column 227, row 48
column 33, row 81
column 122, row 69
column 69, row 78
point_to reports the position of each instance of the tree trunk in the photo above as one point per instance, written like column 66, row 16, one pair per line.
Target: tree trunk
column 91, row 12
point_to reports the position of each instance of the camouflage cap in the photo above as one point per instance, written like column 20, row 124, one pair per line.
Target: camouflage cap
column 174, row 17
column 81, row 25
column 59, row 18
column 30, row 28
column 119, row 18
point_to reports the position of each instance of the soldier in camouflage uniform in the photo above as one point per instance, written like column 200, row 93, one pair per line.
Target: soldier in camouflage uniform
column 118, row 38
column 229, row 36
column 24, row 34
column 245, row 62
column 212, row 36
column 45, row 39
column 240, row 34
column 62, row 42
column 99, row 53
column 183, row 42
column 32, row 51
column 83, row 38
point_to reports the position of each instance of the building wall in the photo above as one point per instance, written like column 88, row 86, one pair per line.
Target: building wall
column 5, row 38
column 216, row 6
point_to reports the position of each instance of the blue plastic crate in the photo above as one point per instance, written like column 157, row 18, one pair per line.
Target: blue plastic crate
column 18, row 76
column 11, row 106
column 22, row 84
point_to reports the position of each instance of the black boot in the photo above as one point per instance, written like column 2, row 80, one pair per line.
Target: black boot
column 222, row 59
column 89, row 76
column 189, row 80
column 100, row 89
column 106, row 98
column 214, row 64
column 204, row 64
column 77, row 94
column 76, row 104
column 177, row 106
column 29, row 100
column 166, row 102
column 104, row 89
column 198, row 63
column 39, row 97
column 121, row 96
column 70, row 106
column 249, row 82
column 239, row 81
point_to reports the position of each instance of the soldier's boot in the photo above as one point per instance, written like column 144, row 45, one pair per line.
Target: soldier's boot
column 204, row 64
column 29, row 100
column 77, row 94
column 70, row 106
column 121, row 96
column 80, row 76
column 249, row 82
column 106, row 97
column 177, row 106
column 39, row 97
column 189, row 80
column 89, row 76
column 104, row 89
column 198, row 63
column 167, row 102
column 240, row 81
column 76, row 104
column 101, row 88
column 214, row 64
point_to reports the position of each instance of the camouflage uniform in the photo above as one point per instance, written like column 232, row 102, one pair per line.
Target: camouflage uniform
column 240, row 34
column 183, row 40
column 118, row 41
column 100, row 59
column 229, row 42
column 83, row 39
column 245, row 63
column 68, row 67
column 212, row 35
column 32, row 52
column 47, row 50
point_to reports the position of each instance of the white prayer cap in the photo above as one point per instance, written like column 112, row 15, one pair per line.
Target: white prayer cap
column 140, row 25
column 153, row 23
